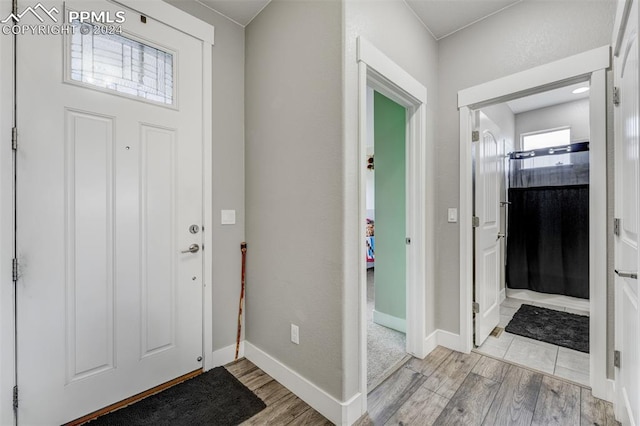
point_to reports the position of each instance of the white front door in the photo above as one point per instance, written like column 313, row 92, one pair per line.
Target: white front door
column 488, row 175
column 627, row 322
column 109, row 182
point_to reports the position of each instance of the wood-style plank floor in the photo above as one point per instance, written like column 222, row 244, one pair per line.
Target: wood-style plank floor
column 446, row 388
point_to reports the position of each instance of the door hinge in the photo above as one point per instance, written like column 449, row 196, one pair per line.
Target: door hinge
column 475, row 221
column 616, row 226
column 475, row 136
column 14, row 138
column 14, row 269
column 616, row 96
column 617, row 359
column 476, row 307
column 408, row 241
column 15, row 397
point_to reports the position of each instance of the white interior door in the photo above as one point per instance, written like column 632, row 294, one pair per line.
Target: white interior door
column 488, row 175
column 627, row 323
column 109, row 184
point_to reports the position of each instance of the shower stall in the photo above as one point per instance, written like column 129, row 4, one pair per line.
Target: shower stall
column 547, row 241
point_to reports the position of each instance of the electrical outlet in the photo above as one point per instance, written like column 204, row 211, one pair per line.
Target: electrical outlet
column 295, row 334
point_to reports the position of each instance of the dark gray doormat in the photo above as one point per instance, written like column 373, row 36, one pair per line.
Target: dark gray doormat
column 212, row 398
column 559, row 328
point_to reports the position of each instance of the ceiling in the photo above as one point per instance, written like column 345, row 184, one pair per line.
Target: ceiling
column 240, row 11
column 441, row 17
column 549, row 98
column 445, row 17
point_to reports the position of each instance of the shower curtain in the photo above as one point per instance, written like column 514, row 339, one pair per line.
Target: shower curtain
column 548, row 226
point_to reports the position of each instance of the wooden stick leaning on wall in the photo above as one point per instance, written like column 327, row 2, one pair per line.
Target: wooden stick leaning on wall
column 243, row 249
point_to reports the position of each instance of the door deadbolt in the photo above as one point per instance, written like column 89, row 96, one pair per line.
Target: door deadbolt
column 194, row 229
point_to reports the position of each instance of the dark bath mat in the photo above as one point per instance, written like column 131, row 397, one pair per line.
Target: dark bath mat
column 212, row 398
column 555, row 327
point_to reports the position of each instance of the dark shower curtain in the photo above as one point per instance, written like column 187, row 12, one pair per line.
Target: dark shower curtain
column 548, row 227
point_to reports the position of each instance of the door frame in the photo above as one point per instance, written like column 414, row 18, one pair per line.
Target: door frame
column 7, row 344
column 168, row 15
column 377, row 71
column 588, row 66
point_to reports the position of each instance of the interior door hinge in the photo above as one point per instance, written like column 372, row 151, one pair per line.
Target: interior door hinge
column 15, row 397
column 616, row 96
column 14, row 269
column 14, row 138
column 616, row 226
column 616, row 359
column 476, row 307
column 475, row 136
column 475, row 221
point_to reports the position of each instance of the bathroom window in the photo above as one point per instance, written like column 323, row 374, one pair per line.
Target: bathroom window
column 546, row 139
column 117, row 63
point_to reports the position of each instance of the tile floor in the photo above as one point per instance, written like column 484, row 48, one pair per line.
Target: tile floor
column 545, row 357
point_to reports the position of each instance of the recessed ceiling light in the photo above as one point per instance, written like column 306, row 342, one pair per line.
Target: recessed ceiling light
column 580, row 90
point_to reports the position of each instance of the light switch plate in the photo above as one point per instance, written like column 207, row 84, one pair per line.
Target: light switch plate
column 227, row 217
column 452, row 215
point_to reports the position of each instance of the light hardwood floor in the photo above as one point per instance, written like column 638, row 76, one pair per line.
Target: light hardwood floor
column 446, row 388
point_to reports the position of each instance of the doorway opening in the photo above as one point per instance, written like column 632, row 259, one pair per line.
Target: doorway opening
column 538, row 205
column 586, row 67
column 385, row 237
column 380, row 73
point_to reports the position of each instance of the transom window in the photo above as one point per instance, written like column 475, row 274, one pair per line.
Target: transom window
column 117, row 63
column 546, row 139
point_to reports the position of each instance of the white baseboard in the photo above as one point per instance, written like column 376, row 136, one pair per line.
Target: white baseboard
column 502, row 295
column 224, row 356
column 430, row 342
column 340, row 413
column 443, row 338
column 451, row 340
column 390, row 321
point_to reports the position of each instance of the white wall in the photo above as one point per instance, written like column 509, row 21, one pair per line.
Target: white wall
column 294, row 188
column 228, row 168
column 394, row 29
column 573, row 114
column 523, row 36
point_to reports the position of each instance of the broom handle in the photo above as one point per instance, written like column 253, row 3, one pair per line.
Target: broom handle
column 243, row 249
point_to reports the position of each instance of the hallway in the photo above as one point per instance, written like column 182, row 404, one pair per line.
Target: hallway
column 446, row 388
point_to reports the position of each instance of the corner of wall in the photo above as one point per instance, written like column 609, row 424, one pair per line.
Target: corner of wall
column 338, row 412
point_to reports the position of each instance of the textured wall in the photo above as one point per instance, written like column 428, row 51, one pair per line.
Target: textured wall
column 529, row 34
column 294, row 187
column 573, row 114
